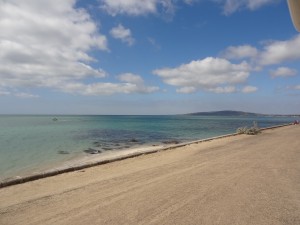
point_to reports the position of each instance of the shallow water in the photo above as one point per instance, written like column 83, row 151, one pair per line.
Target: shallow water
column 32, row 143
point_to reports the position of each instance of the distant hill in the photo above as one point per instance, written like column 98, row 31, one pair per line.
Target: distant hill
column 225, row 113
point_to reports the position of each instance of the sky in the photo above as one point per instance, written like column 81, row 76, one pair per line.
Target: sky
column 144, row 57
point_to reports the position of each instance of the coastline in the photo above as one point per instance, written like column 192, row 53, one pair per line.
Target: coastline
column 95, row 160
column 242, row 179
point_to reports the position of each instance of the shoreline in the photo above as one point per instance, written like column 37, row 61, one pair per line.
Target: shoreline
column 242, row 179
column 80, row 164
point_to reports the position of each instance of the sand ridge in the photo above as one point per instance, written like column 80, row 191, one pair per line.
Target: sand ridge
column 237, row 180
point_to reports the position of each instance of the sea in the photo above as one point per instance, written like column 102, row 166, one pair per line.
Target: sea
column 33, row 143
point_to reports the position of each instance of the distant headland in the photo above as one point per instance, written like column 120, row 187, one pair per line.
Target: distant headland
column 236, row 113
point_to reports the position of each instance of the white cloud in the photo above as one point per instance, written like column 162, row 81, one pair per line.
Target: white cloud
column 272, row 53
column 280, row 51
column 25, row 95
column 240, row 52
column 210, row 74
column 249, row 89
column 137, row 7
column 153, row 42
column 123, row 34
column 130, row 78
column 186, row 90
column 255, row 4
column 167, row 7
column 217, row 90
column 46, row 43
column 131, row 7
column 297, row 87
column 223, row 90
column 283, row 72
column 294, row 87
column 4, row 93
column 129, row 83
column 231, row 6
column 17, row 94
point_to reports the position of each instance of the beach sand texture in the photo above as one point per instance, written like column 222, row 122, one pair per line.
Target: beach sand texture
column 235, row 180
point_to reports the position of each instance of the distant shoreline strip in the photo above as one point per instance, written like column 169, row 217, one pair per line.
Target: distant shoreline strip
column 21, row 180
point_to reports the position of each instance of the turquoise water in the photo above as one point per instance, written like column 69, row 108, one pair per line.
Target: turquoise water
column 29, row 143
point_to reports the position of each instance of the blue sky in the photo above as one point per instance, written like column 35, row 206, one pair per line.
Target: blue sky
column 148, row 57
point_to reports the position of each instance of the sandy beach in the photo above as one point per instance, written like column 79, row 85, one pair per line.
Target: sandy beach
column 236, row 180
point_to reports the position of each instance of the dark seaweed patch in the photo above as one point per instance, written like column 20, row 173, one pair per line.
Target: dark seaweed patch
column 63, row 152
column 92, row 151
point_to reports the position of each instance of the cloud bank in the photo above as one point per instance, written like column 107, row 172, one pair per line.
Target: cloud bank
column 283, row 72
column 129, row 83
column 210, row 74
column 47, row 44
column 219, row 75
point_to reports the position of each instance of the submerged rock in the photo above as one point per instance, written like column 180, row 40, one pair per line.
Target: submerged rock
column 92, row 151
column 133, row 140
column 97, row 144
column 63, row 152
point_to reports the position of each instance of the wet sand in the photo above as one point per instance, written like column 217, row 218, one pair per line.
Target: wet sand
column 235, row 180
